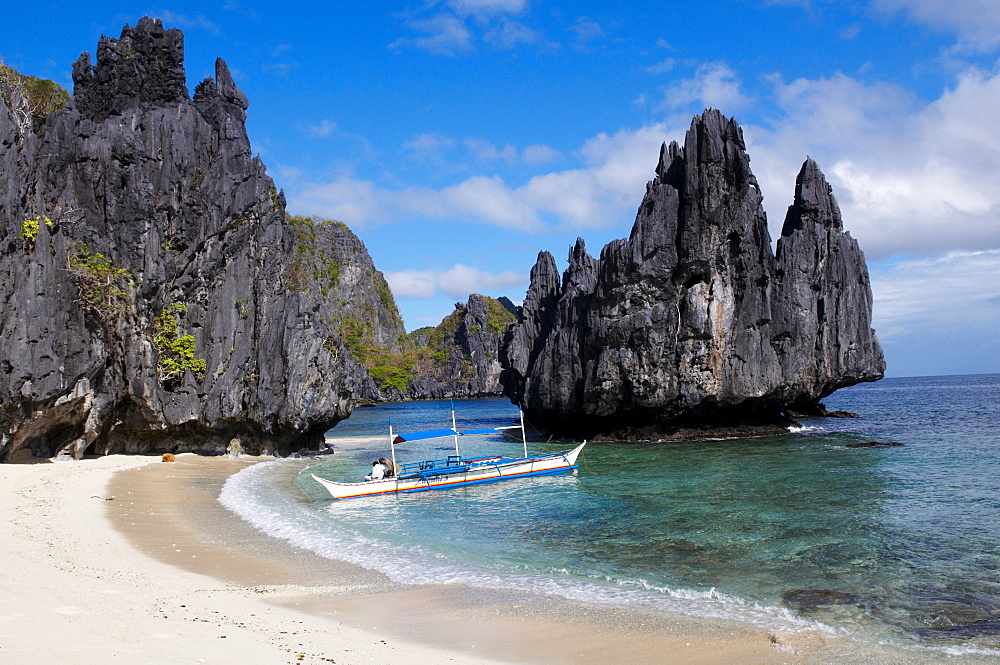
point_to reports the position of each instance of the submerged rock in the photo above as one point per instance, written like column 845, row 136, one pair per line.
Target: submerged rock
column 693, row 319
column 874, row 444
column 810, row 600
column 153, row 295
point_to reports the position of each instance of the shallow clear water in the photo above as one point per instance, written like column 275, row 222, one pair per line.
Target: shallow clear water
column 898, row 545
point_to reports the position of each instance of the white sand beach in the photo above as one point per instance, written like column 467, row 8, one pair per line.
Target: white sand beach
column 128, row 559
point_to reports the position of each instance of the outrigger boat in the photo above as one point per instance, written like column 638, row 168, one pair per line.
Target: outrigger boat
column 455, row 470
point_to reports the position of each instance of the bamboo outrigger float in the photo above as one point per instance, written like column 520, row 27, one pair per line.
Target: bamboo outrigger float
column 455, row 471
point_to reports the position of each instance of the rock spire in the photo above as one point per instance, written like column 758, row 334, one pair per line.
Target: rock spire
column 154, row 296
column 693, row 321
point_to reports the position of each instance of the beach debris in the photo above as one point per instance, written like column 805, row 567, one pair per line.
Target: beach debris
column 105, row 498
column 168, row 457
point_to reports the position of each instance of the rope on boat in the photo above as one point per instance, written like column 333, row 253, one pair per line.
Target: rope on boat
column 583, row 454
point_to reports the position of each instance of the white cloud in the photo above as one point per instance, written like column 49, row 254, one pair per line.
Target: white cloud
column 603, row 192
column 484, row 151
column 429, row 147
column 714, row 85
column 586, row 30
column 345, row 198
column 457, row 282
column 482, row 198
column 910, row 177
column 510, row 34
column 976, row 23
column 959, row 291
column 445, row 35
column 662, row 67
column 322, row 129
column 171, row 19
column 487, row 7
column 540, row 154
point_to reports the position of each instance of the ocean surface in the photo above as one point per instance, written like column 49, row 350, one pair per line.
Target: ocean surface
column 893, row 548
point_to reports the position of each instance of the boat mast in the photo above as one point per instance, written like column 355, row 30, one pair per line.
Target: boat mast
column 454, row 426
column 524, row 438
column 392, row 447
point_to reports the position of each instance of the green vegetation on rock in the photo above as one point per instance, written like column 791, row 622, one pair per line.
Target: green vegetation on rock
column 312, row 264
column 389, row 370
column 105, row 288
column 497, row 316
column 29, row 232
column 36, row 97
column 175, row 352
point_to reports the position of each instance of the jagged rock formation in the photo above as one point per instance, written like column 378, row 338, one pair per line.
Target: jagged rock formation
column 460, row 356
column 693, row 321
column 153, row 296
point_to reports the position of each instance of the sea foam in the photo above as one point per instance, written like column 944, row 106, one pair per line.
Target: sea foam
column 275, row 513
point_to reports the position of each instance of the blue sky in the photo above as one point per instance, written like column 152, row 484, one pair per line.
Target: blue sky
column 458, row 138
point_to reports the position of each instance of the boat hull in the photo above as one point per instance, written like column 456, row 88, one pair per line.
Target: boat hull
column 440, row 478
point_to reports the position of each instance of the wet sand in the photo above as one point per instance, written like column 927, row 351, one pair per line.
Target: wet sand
column 170, row 512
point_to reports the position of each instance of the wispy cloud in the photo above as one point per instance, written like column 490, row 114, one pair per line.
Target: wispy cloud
column 173, row 20
column 714, row 85
column 662, row 67
column 975, row 23
column 444, row 34
column 955, row 292
column 511, row 34
column 321, row 129
column 281, row 68
column 487, row 7
column 484, row 151
column 604, row 191
column 461, row 27
column 457, row 282
column 910, row 177
column 850, row 32
column 429, row 148
column 586, row 30
column 540, row 154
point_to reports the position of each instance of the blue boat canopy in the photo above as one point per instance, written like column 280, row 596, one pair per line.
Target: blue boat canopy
column 420, row 436
column 440, row 434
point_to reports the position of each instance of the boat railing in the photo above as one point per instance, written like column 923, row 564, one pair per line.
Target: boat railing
column 454, row 462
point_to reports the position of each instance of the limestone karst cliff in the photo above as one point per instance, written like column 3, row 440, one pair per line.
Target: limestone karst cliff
column 460, row 357
column 153, row 294
column 693, row 320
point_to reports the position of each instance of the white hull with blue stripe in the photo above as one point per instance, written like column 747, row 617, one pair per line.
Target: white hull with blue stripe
column 455, row 471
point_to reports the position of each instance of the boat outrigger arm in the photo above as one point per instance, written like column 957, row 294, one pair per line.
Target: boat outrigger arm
column 455, row 470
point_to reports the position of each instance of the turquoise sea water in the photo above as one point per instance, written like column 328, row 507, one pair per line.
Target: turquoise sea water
column 897, row 546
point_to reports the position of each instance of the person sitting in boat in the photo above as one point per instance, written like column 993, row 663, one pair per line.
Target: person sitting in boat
column 391, row 468
column 378, row 471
